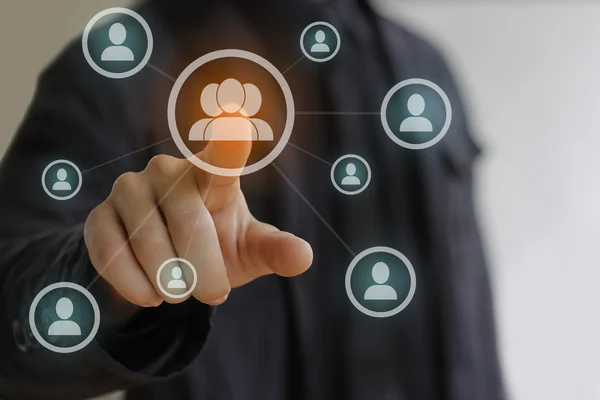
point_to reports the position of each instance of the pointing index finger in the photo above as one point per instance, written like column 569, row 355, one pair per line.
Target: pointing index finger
column 229, row 154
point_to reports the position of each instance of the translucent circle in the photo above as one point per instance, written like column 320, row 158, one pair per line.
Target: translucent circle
column 289, row 110
column 176, row 272
column 64, row 308
column 353, row 157
column 380, row 272
column 390, row 132
column 61, row 174
column 411, row 290
column 230, row 95
column 74, row 192
column 320, row 36
column 350, row 169
column 337, row 45
column 117, row 33
column 416, row 104
column 180, row 261
column 208, row 100
column 86, row 35
column 36, row 302
column 252, row 102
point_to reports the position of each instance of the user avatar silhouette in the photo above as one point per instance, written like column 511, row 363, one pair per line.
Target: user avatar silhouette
column 117, row 35
column 381, row 274
column 231, row 107
column 320, row 46
column 416, row 123
column 350, row 179
column 64, row 327
column 61, row 184
column 176, row 282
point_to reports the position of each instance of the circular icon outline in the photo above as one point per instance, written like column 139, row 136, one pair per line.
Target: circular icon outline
column 390, row 132
column 194, row 282
column 289, row 122
column 69, row 196
column 411, row 291
column 344, row 191
column 36, row 333
column 86, row 50
column 337, row 47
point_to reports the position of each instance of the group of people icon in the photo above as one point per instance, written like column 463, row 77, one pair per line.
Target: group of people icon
column 231, row 108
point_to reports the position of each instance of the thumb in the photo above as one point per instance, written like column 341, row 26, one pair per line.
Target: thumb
column 270, row 250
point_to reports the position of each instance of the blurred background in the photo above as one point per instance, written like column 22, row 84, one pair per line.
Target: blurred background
column 530, row 75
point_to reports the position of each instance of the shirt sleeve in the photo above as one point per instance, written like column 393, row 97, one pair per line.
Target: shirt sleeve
column 88, row 119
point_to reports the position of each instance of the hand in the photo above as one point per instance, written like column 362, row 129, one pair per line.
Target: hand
column 128, row 236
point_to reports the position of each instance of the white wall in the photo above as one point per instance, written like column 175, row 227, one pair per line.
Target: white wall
column 531, row 77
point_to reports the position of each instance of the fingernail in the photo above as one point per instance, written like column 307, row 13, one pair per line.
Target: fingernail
column 220, row 301
column 156, row 302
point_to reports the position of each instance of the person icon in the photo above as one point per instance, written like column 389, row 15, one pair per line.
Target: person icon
column 350, row 179
column 416, row 123
column 320, row 46
column 61, row 184
column 176, row 282
column 117, row 35
column 381, row 274
column 64, row 327
column 231, row 107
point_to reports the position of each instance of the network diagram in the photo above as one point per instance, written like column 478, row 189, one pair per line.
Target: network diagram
column 237, row 104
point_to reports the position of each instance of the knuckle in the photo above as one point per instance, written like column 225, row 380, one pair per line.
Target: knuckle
column 148, row 239
column 189, row 219
column 126, row 184
column 94, row 236
column 101, row 257
column 163, row 165
column 92, row 220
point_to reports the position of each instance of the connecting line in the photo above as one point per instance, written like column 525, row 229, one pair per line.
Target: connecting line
column 293, row 65
column 313, row 209
column 309, row 153
column 136, row 230
column 201, row 212
column 163, row 73
column 126, row 155
column 337, row 113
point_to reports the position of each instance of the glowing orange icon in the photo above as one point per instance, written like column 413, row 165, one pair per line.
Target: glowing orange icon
column 231, row 106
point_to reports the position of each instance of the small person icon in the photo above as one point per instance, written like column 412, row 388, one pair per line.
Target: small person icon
column 117, row 35
column 350, row 179
column 381, row 274
column 62, row 184
column 320, row 46
column 416, row 123
column 64, row 327
column 176, row 282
